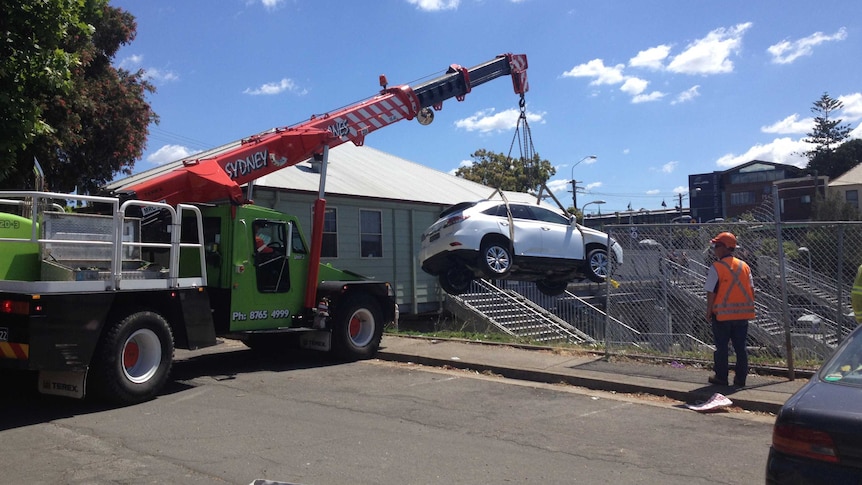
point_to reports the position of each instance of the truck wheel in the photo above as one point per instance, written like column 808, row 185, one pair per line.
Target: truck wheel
column 357, row 328
column 133, row 359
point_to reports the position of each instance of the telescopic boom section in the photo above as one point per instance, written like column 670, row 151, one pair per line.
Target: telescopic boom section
column 219, row 175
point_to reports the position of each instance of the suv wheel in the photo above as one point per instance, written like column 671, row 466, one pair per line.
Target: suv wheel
column 455, row 280
column 495, row 258
column 551, row 287
column 598, row 265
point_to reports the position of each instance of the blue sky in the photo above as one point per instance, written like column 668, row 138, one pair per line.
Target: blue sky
column 655, row 89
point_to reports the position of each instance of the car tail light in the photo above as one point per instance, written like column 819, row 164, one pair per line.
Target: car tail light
column 806, row 442
column 455, row 220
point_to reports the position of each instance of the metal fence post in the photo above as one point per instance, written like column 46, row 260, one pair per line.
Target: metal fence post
column 782, row 269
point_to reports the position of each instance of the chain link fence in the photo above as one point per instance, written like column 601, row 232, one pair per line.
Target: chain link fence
column 803, row 274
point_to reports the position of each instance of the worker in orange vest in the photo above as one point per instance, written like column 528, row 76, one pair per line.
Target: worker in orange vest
column 729, row 306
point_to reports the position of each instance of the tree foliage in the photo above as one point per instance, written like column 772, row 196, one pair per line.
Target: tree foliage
column 34, row 63
column 499, row 171
column 833, row 208
column 827, row 135
column 94, row 125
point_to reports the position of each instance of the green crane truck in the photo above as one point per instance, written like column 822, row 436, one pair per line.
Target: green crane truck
column 96, row 300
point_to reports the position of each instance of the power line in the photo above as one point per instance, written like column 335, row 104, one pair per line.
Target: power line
column 159, row 134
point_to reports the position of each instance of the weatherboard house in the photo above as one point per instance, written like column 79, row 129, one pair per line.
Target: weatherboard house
column 377, row 206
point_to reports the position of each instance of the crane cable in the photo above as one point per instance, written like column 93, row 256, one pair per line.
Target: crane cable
column 525, row 145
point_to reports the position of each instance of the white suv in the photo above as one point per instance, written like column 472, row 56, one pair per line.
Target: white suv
column 525, row 242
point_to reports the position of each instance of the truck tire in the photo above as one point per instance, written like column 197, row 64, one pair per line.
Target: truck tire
column 133, row 359
column 357, row 328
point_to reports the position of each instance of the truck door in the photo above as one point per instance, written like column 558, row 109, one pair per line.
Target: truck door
column 270, row 287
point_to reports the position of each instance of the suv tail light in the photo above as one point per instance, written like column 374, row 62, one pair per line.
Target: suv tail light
column 455, row 220
column 805, row 442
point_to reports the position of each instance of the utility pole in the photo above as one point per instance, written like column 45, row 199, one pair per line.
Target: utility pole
column 680, row 202
column 575, row 194
column 575, row 182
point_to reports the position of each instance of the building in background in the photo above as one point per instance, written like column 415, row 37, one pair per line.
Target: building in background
column 750, row 187
column 849, row 185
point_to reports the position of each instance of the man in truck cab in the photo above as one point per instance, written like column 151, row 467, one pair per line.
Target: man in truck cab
column 261, row 239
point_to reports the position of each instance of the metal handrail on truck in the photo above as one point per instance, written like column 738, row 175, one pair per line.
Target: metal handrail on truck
column 115, row 240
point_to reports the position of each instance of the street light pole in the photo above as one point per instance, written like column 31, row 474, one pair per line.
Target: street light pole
column 584, row 210
column 574, row 182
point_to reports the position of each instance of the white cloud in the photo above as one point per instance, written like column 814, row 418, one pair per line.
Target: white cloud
column 669, row 167
column 279, row 87
column 132, row 62
column 271, row 4
column 711, row 54
column 435, row 5
column 487, row 121
column 558, row 186
column 790, row 125
column 653, row 192
column 687, row 95
column 779, row 150
column 644, row 98
column 852, row 110
column 463, row 164
column 596, row 69
column 634, row 86
column 157, row 75
column 786, row 51
column 593, row 185
column 652, row 58
column 169, row 153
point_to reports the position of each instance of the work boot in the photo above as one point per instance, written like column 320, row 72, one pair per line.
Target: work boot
column 716, row 381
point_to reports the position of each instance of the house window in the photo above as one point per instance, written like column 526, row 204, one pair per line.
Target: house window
column 742, row 198
column 329, row 246
column 370, row 234
column 852, row 197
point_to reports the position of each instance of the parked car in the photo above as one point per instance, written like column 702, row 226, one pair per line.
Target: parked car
column 499, row 240
column 817, row 437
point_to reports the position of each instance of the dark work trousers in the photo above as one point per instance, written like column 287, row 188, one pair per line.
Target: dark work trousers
column 723, row 333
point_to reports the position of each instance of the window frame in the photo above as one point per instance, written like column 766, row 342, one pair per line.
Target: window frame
column 362, row 234
column 329, row 234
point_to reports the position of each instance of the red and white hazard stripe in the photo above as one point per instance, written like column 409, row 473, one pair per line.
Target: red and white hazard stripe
column 10, row 350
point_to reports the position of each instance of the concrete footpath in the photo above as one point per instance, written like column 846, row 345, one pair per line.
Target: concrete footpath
column 682, row 382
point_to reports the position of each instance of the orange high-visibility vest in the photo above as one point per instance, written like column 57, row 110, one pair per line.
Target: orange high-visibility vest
column 734, row 297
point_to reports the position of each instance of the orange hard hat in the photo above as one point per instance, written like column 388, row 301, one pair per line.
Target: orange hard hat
column 725, row 238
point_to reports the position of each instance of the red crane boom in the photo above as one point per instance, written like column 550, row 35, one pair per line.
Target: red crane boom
column 218, row 175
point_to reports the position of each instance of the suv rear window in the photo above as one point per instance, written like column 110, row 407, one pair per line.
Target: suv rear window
column 456, row 208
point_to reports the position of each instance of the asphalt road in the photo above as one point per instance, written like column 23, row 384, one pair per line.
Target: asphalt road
column 235, row 416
